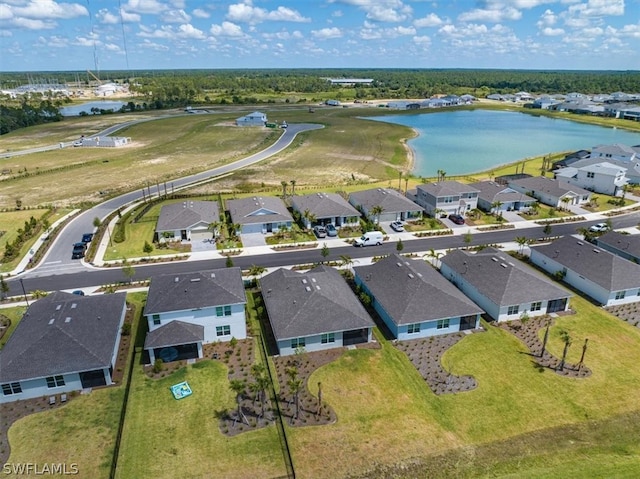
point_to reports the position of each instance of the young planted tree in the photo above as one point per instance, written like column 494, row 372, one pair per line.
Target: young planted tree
column 399, row 245
column 376, row 211
column 260, row 385
column 319, row 399
column 229, row 262
column 324, row 252
column 96, row 222
column 545, row 339
column 128, row 270
column 547, row 229
column 293, row 187
column 467, row 238
column 564, row 335
column 295, row 385
column 522, row 242
column 255, row 271
column 4, row 288
column 435, row 257
column 346, row 261
column 147, row 248
column 238, row 386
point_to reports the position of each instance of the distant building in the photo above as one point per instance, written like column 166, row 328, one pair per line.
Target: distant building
column 252, row 119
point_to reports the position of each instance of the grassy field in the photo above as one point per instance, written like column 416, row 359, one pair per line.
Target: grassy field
column 383, row 405
column 165, row 438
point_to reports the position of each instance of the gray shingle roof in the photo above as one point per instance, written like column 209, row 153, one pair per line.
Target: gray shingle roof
column 447, row 188
column 63, row 333
column 629, row 244
column 611, row 272
column 324, row 205
column 390, row 200
column 501, row 278
column 184, row 215
column 556, row 188
column 202, row 289
column 411, row 291
column 258, row 209
column 174, row 333
column 491, row 192
column 316, row 302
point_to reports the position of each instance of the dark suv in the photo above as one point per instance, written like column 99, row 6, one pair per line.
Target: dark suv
column 78, row 250
column 87, row 237
column 457, row 219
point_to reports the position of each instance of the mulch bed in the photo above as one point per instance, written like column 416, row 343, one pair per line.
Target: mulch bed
column 527, row 332
column 426, row 354
column 13, row 411
column 627, row 312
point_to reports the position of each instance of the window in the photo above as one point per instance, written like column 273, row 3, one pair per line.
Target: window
column 223, row 330
column 513, row 309
column 11, row 388
column 55, row 381
column 413, row 328
column 328, row 338
column 442, row 324
column 298, row 343
column 620, row 295
column 590, row 174
column 536, row 306
column 447, row 199
column 156, row 319
column 223, row 310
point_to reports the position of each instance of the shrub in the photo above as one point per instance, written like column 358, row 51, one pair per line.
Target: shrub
column 158, row 366
column 126, row 329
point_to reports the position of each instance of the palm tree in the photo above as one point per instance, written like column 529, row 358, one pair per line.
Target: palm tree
column 565, row 201
column 255, row 271
column 376, row 211
column 260, row 385
column 214, row 226
column 522, row 242
column 346, row 261
column 238, row 386
column 295, row 385
column 495, row 206
column 309, row 218
column 435, row 256
column 284, row 189
column 293, row 187
column 564, row 335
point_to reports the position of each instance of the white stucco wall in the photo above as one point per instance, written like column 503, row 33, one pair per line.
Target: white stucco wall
column 314, row 343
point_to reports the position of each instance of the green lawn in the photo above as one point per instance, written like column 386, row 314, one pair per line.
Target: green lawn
column 10, row 222
column 165, row 438
column 15, row 315
column 383, row 405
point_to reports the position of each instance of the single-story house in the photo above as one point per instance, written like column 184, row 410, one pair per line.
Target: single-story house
column 625, row 246
column 604, row 177
column 503, row 286
column 186, row 310
column 315, row 310
column 252, row 119
column 556, row 193
column 447, row 197
column 63, row 343
column 187, row 220
column 105, row 141
column 259, row 214
column 493, row 196
column 414, row 300
column 605, row 277
column 571, row 158
column 395, row 206
column 325, row 208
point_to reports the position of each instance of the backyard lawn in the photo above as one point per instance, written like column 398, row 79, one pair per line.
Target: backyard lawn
column 383, row 405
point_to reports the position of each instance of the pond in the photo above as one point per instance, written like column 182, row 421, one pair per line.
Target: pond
column 101, row 105
column 463, row 142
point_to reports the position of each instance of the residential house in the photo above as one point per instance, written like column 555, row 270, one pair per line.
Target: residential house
column 493, row 196
column 552, row 192
column 325, row 208
column 447, row 197
column 259, row 214
column 252, row 119
column 605, row 178
column 414, row 300
column 187, row 220
column 572, row 158
column 616, row 151
column 63, row 343
column 503, row 286
column 623, row 245
column 314, row 310
column 186, row 310
column 395, row 206
column 605, row 277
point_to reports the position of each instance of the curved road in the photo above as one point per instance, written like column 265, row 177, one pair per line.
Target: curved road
column 58, row 259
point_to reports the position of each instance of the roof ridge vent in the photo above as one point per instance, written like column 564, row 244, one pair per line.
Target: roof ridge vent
column 176, row 279
column 503, row 265
column 52, row 320
column 67, row 319
column 194, row 280
column 411, row 275
column 307, row 288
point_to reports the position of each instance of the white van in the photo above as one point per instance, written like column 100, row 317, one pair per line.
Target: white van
column 368, row 239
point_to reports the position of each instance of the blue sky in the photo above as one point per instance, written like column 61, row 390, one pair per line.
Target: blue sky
column 37, row 35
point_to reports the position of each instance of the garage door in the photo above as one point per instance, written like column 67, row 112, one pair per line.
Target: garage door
column 201, row 236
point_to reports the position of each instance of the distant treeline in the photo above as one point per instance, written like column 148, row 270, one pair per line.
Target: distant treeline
column 27, row 113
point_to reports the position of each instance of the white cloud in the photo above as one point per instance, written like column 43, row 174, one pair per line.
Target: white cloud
column 598, row 8
column 200, row 13
column 552, row 32
column 154, row 46
column 284, row 35
column 381, row 10
column 169, row 33
column 423, row 41
column 547, row 19
column 431, row 20
column 492, row 15
column 146, row 6
column 632, row 31
column 108, row 18
column 112, row 47
column 325, row 33
column 54, row 41
column 246, row 13
column 48, row 10
column 32, row 24
column 176, row 16
column 227, row 29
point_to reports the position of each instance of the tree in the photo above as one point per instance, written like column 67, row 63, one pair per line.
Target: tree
column 376, row 211
column 547, row 229
column 309, row 218
column 295, row 385
column 566, row 339
column 147, row 248
column 346, row 260
column 319, row 399
column 128, row 270
column 435, row 256
column 293, row 187
column 284, row 189
column 260, row 384
column 467, row 238
column 96, row 222
column 545, row 339
column 324, row 251
column 4, row 288
column 522, row 241
column 565, row 202
column 229, row 262
column 255, row 271
column 238, row 386
column 495, row 206
column 399, row 245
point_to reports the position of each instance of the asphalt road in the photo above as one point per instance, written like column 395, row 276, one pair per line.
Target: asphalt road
column 97, row 277
column 57, row 260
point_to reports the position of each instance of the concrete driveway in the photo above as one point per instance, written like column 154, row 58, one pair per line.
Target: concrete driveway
column 253, row 239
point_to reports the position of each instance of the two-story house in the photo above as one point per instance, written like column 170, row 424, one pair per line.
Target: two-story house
column 447, row 197
column 605, row 178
